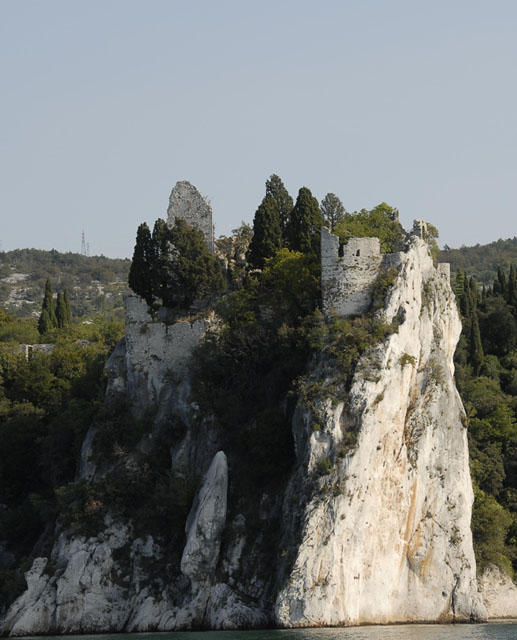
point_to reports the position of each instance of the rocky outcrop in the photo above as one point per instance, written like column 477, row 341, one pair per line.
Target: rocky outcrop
column 375, row 520
column 205, row 524
column 75, row 596
column 187, row 203
column 499, row 593
column 386, row 537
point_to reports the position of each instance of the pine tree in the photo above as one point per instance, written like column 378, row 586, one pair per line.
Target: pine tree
column 68, row 308
column 47, row 319
column 284, row 203
column 304, row 228
column 267, row 233
column 333, row 210
column 61, row 311
column 141, row 270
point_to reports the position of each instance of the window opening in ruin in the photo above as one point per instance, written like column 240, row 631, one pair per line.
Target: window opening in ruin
column 358, row 253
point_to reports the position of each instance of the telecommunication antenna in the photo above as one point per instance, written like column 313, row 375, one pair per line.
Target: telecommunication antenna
column 83, row 245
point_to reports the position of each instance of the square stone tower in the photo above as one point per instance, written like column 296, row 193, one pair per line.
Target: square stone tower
column 348, row 273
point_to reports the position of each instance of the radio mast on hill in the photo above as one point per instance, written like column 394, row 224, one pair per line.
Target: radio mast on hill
column 85, row 248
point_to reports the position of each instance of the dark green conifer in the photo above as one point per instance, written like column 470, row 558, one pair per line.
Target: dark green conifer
column 142, row 265
column 161, row 260
column 267, row 233
column 474, row 292
column 466, row 303
column 477, row 356
column 68, row 308
column 44, row 323
column 304, row 228
column 61, row 311
column 500, row 285
column 189, row 270
column 512, row 287
column 47, row 319
column 284, row 203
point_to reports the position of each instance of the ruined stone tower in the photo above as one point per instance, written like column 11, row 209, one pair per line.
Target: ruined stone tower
column 349, row 271
column 188, row 203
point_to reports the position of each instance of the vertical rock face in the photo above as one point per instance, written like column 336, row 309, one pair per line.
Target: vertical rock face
column 206, row 522
column 387, row 536
column 187, row 203
column 499, row 593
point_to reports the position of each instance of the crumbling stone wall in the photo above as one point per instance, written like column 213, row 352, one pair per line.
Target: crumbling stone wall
column 188, row 203
column 155, row 352
column 348, row 273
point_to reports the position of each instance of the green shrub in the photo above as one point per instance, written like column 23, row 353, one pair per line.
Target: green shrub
column 323, row 466
column 405, row 359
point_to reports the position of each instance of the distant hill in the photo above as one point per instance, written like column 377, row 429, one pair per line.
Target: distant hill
column 482, row 260
column 95, row 283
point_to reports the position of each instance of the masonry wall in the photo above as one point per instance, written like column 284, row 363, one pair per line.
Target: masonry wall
column 188, row 203
column 348, row 275
column 348, row 272
column 155, row 351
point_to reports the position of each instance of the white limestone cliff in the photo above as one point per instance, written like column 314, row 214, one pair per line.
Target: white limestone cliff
column 390, row 541
column 499, row 593
column 379, row 534
column 206, row 522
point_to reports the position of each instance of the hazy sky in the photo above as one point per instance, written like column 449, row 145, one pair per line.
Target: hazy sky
column 106, row 104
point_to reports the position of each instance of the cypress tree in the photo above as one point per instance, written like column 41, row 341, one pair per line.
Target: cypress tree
column 189, row 271
column 283, row 201
column 333, row 210
column 512, row 287
column 44, row 323
column 161, row 264
column 466, row 304
column 47, row 319
column 477, row 356
column 459, row 286
column 267, row 233
column 142, row 266
column 500, row 283
column 474, row 292
column 61, row 311
column 304, row 228
column 68, row 308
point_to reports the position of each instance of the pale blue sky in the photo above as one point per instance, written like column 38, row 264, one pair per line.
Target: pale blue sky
column 106, row 104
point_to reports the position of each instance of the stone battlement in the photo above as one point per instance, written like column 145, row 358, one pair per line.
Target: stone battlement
column 348, row 271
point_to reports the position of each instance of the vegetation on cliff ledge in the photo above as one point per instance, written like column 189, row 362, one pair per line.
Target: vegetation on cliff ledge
column 486, row 376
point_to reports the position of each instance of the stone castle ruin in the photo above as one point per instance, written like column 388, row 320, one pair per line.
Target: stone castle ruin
column 187, row 203
column 348, row 271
